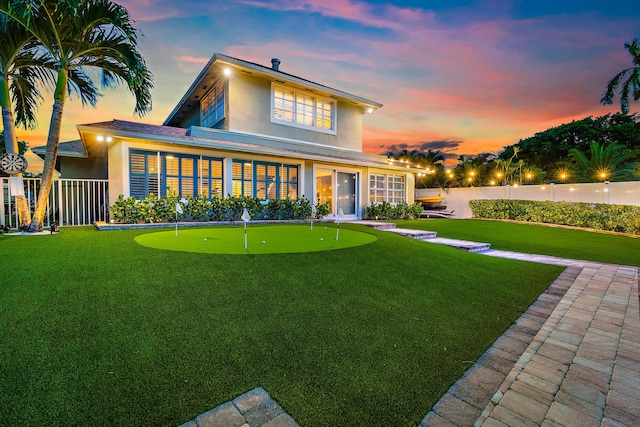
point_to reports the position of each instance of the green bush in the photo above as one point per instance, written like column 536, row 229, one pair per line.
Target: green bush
column 401, row 210
column 322, row 210
column 232, row 208
column 199, row 208
column 153, row 210
column 598, row 216
column 124, row 210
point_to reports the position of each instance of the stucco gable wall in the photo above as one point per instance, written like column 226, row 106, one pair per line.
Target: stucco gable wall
column 249, row 110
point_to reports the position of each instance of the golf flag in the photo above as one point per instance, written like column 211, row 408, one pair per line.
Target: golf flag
column 178, row 211
column 340, row 215
column 245, row 218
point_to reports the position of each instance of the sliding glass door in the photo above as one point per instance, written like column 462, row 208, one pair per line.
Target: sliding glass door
column 339, row 189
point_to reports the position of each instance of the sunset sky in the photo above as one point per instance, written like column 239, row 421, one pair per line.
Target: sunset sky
column 462, row 77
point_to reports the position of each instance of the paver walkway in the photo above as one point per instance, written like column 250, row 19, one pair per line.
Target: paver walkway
column 581, row 368
column 254, row 408
column 572, row 359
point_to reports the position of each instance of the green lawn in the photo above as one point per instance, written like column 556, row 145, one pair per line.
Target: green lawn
column 99, row 330
column 536, row 239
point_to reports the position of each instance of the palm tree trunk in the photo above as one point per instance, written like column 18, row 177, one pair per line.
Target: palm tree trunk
column 51, row 154
column 11, row 146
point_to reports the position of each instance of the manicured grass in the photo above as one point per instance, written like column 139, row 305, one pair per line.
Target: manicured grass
column 261, row 239
column 98, row 330
column 537, row 239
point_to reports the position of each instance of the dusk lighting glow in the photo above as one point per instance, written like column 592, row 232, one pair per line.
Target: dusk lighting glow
column 459, row 77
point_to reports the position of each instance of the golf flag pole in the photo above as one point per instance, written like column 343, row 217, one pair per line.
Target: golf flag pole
column 245, row 218
column 178, row 211
column 340, row 214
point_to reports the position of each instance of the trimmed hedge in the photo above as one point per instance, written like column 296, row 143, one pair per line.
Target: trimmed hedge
column 598, row 216
column 152, row 209
column 386, row 210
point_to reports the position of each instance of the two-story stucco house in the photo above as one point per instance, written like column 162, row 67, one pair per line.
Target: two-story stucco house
column 244, row 129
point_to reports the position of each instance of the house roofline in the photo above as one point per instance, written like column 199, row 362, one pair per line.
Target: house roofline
column 245, row 147
column 41, row 150
column 273, row 75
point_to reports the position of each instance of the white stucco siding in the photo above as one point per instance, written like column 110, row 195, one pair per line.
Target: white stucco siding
column 117, row 168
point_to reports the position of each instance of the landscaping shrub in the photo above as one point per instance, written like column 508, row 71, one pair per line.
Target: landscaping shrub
column 598, row 216
column 322, row 210
column 198, row 208
column 386, row 210
column 157, row 210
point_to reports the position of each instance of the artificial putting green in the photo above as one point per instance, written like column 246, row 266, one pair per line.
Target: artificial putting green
column 261, row 239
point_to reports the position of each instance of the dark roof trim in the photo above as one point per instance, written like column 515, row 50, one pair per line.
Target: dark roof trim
column 74, row 148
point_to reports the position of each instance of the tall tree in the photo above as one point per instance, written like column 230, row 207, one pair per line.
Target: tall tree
column 629, row 78
column 79, row 36
column 545, row 149
column 19, row 77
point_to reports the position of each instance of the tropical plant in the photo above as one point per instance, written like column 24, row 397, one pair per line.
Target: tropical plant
column 19, row 75
column 472, row 170
column 608, row 162
column 432, row 161
column 506, row 169
column 76, row 37
column 629, row 78
column 545, row 149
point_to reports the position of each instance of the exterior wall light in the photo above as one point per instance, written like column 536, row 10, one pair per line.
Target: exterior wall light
column 227, row 72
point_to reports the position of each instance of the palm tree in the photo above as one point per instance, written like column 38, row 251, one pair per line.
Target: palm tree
column 630, row 86
column 605, row 163
column 19, row 75
column 79, row 36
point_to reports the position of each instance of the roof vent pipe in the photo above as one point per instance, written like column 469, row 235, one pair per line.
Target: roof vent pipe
column 275, row 64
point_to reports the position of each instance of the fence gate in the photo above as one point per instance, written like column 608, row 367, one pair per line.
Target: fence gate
column 71, row 201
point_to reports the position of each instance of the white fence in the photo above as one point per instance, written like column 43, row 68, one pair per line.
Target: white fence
column 619, row 193
column 71, row 201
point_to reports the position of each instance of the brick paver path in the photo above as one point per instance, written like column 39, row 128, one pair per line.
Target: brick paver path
column 580, row 368
column 255, row 408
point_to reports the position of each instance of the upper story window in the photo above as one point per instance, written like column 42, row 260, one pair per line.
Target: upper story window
column 212, row 106
column 301, row 109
